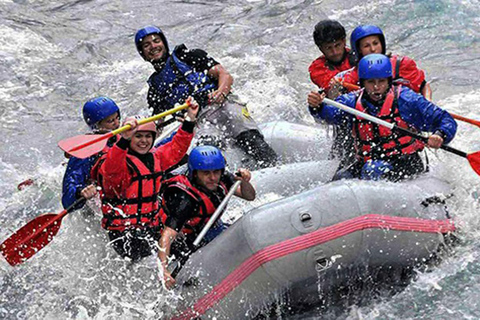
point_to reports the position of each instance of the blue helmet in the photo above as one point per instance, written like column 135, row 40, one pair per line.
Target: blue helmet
column 375, row 66
column 97, row 109
column 361, row 32
column 376, row 170
column 148, row 30
column 205, row 158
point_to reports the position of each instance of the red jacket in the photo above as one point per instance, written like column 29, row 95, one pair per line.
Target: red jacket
column 321, row 71
column 124, row 178
column 407, row 70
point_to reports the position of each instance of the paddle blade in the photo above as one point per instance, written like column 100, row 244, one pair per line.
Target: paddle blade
column 84, row 146
column 474, row 159
column 31, row 238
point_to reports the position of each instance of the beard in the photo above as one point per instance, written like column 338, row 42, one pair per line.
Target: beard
column 158, row 64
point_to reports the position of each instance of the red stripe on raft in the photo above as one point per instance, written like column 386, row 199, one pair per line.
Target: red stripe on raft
column 306, row 241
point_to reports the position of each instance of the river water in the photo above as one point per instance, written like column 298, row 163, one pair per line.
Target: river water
column 57, row 54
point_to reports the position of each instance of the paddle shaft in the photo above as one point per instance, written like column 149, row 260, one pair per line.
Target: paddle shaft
column 207, row 227
column 216, row 214
column 127, row 127
column 389, row 125
column 353, row 87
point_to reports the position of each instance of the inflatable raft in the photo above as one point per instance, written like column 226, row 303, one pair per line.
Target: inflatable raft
column 292, row 142
column 313, row 244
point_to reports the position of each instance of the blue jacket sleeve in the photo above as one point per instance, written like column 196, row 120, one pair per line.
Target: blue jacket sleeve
column 75, row 179
column 424, row 115
column 165, row 140
column 333, row 115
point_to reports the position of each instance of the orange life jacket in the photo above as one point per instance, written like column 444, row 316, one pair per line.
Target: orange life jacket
column 207, row 208
column 379, row 142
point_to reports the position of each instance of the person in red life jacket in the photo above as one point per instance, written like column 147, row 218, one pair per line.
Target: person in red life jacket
column 130, row 176
column 370, row 39
column 330, row 38
column 102, row 115
column 192, row 72
column 382, row 153
column 189, row 200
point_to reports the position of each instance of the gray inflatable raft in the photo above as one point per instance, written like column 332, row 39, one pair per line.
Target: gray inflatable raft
column 312, row 244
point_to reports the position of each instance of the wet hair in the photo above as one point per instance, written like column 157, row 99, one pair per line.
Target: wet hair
column 327, row 31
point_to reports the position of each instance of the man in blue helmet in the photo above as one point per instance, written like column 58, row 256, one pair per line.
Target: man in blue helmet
column 381, row 153
column 186, row 72
column 102, row 115
column 190, row 200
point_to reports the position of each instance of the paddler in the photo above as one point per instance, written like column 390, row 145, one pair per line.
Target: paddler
column 330, row 38
column 190, row 200
column 130, row 175
column 102, row 115
column 382, row 154
column 186, row 72
column 368, row 39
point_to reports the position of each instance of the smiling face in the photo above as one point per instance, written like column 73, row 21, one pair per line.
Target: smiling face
column 209, row 178
column 369, row 45
column 376, row 88
column 142, row 142
column 153, row 48
column 334, row 51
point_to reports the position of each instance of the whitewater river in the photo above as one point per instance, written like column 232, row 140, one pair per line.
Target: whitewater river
column 54, row 55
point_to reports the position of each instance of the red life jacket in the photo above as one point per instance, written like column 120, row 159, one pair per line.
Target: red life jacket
column 375, row 141
column 138, row 207
column 207, row 208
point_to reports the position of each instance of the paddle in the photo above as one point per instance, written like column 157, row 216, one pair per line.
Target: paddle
column 473, row 158
column 34, row 236
column 211, row 221
column 84, row 146
column 353, row 87
column 30, row 181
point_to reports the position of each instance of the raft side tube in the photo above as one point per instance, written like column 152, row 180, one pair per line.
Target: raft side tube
column 306, row 243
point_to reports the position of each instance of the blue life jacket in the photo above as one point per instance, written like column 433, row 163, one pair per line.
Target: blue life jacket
column 177, row 80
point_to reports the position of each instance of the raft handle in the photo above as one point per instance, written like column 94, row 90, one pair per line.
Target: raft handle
column 305, row 217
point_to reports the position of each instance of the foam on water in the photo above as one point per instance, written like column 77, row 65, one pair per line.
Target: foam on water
column 267, row 46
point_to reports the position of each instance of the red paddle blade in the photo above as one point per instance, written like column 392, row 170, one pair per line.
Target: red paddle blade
column 31, row 238
column 84, row 146
column 474, row 159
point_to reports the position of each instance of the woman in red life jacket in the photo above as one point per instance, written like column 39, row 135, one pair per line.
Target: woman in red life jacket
column 190, row 200
column 370, row 39
column 130, row 175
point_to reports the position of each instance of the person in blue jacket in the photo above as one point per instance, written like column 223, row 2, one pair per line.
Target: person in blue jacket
column 102, row 115
column 381, row 153
column 185, row 72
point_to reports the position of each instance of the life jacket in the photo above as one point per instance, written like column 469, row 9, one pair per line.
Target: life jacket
column 177, row 80
column 379, row 142
column 207, row 208
column 138, row 206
